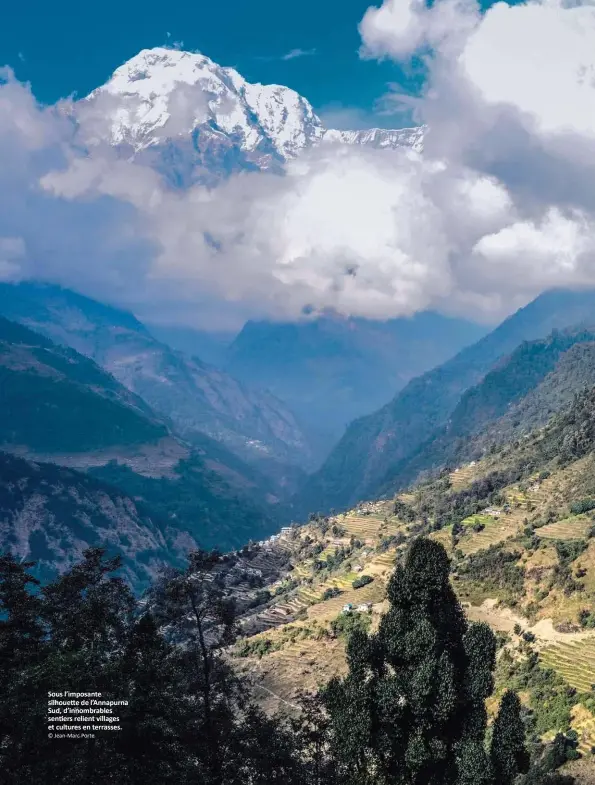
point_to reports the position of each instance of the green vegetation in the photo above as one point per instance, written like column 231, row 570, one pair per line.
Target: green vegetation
column 584, row 505
column 496, row 571
column 55, row 400
column 362, row 580
column 412, row 707
column 187, row 719
column 332, row 591
column 54, row 415
column 196, row 500
column 261, row 645
column 347, row 623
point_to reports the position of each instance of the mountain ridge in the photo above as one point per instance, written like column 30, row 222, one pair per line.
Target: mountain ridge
column 57, row 406
column 195, row 121
column 358, row 466
column 198, row 399
column 332, row 370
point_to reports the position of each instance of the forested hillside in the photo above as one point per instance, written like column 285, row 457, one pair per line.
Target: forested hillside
column 380, row 445
column 198, row 399
column 59, row 406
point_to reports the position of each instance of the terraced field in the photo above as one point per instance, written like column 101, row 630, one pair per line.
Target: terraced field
column 373, row 592
column 443, row 536
column 583, row 723
column 463, row 476
column 574, row 661
column 496, row 530
column 574, row 527
column 368, row 527
column 280, row 676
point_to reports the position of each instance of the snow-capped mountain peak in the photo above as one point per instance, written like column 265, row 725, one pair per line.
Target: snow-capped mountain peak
column 196, row 121
column 380, row 137
column 164, row 93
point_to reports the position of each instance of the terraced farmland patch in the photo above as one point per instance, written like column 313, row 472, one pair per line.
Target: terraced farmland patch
column 443, row 536
column 583, row 723
column 574, row 527
column 280, row 676
column 373, row 592
column 367, row 527
column 574, row 661
column 496, row 530
column 463, row 476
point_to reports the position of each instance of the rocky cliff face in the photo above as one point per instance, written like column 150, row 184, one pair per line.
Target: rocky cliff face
column 51, row 514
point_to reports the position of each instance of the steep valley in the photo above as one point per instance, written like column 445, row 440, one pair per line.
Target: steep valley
column 59, row 409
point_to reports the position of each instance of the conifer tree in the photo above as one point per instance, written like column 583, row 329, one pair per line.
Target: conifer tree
column 508, row 752
column 411, row 709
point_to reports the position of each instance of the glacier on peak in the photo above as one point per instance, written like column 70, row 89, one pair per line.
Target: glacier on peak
column 196, row 121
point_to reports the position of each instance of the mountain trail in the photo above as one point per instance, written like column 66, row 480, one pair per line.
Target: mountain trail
column 504, row 620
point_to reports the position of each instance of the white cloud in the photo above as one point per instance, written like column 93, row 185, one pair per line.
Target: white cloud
column 399, row 28
column 294, row 53
column 500, row 206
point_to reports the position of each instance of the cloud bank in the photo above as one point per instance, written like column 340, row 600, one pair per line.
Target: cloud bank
column 500, row 206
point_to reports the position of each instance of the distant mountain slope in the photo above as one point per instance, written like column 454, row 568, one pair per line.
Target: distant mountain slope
column 58, row 406
column 51, row 514
column 378, row 445
column 332, row 370
column 523, row 391
column 54, row 399
column 209, row 346
column 197, row 398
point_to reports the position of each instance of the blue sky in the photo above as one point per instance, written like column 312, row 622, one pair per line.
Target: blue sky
column 69, row 46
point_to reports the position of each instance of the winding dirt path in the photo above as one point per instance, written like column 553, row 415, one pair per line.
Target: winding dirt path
column 504, row 619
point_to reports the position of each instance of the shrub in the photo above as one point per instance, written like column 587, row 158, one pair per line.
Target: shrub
column 584, row 505
column 346, row 623
column 363, row 580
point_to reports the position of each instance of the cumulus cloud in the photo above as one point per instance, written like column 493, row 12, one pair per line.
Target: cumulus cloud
column 510, row 96
column 401, row 28
column 500, row 205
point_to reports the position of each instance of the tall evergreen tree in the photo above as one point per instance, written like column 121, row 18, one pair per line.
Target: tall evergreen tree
column 411, row 710
column 508, row 752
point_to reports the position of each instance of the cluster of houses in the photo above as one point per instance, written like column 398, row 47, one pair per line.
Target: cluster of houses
column 364, row 607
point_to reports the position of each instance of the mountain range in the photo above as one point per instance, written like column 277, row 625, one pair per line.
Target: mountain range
column 332, row 370
column 284, row 393
column 197, row 122
column 195, row 397
column 219, row 439
column 376, row 452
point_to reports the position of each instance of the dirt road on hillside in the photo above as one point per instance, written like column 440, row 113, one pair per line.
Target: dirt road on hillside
column 504, row 619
